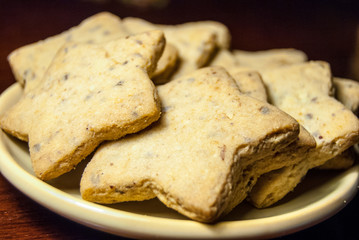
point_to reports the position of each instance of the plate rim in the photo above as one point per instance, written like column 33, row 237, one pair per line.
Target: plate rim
column 121, row 223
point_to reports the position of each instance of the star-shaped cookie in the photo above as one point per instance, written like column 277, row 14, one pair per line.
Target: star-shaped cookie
column 197, row 158
column 195, row 41
column 304, row 90
column 264, row 190
column 30, row 62
column 90, row 93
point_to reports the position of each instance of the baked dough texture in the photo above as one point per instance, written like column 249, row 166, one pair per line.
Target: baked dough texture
column 251, row 84
column 196, row 42
column 305, row 91
column 89, row 94
column 30, row 62
column 202, row 154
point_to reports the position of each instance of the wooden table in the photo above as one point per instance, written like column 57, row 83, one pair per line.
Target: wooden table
column 325, row 30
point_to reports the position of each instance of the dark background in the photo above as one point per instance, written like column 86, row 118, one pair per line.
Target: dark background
column 325, row 30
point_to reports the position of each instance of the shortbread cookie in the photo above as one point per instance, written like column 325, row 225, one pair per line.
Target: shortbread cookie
column 303, row 90
column 347, row 92
column 224, row 58
column 197, row 158
column 90, row 93
column 195, row 42
column 250, row 83
column 268, row 59
column 273, row 186
column 166, row 65
column 223, row 36
column 267, row 190
column 293, row 154
column 30, row 62
column 343, row 161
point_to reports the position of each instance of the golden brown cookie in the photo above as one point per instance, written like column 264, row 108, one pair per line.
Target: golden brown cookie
column 196, row 42
column 197, row 158
column 303, row 90
column 268, row 59
column 347, row 92
column 90, row 93
column 30, row 62
column 166, row 65
column 342, row 161
column 250, row 83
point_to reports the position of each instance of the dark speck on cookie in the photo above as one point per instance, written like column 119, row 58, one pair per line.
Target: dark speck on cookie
column 264, row 110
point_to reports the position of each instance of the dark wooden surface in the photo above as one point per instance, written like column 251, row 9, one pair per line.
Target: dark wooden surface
column 325, row 30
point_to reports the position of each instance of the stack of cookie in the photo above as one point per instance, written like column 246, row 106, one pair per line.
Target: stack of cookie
column 322, row 104
column 170, row 112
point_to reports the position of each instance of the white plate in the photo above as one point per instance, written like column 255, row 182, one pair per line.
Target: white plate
column 318, row 197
